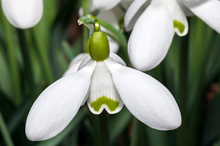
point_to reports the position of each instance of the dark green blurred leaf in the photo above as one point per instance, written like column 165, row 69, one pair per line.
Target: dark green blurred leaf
column 211, row 126
column 59, row 31
column 18, row 115
column 5, row 79
column 119, row 122
column 157, row 138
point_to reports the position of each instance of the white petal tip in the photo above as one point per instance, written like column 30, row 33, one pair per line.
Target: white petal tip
column 23, row 14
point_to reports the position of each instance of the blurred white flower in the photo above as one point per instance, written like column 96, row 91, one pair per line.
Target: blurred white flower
column 23, row 13
column 110, row 4
column 154, row 30
column 105, row 83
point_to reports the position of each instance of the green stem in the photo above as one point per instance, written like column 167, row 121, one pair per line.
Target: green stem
column 182, row 99
column 43, row 55
column 28, row 73
column 5, row 132
column 104, row 129
column 13, row 63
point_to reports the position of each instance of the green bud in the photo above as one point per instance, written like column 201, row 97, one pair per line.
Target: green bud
column 99, row 46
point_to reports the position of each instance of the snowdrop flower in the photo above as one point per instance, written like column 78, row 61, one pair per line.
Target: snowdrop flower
column 23, row 13
column 153, row 31
column 105, row 83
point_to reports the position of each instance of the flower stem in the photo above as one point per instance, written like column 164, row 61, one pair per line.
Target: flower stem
column 138, row 135
column 182, row 100
column 5, row 133
column 12, row 62
column 43, row 55
column 26, row 58
column 104, row 129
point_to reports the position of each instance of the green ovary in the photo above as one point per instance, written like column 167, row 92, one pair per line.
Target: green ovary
column 180, row 26
column 112, row 104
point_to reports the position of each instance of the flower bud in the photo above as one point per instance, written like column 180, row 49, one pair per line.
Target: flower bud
column 23, row 13
column 99, row 46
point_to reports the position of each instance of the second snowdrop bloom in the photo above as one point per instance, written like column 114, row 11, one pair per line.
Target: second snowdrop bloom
column 154, row 23
column 23, row 13
column 153, row 31
column 105, row 83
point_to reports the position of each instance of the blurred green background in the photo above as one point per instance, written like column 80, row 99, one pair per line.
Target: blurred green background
column 32, row 59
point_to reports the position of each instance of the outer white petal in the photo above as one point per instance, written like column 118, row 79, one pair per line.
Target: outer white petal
column 74, row 65
column 58, row 104
column 105, row 4
column 23, row 13
column 102, row 92
column 207, row 10
column 133, row 13
column 116, row 58
column 151, row 37
column 110, row 17
column 179, row 18
column 146, row 98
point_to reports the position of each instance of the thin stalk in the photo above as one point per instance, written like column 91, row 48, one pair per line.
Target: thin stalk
column 104, row 129
column 43, row 55
column 138, row 134
column 5, row 133
column 28, row 73
column 182, row 100
column 13, row 63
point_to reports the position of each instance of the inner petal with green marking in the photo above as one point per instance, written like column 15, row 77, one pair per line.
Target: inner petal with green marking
column 102, row 92
column 112, row 104
column 180, row 26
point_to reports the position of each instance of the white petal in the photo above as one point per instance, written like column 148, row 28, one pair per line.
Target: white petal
column 105, row 4
column 58, row 104
column 185, row 9
column 74, row 65
column 23, row 13
column 119, row 13
column 112, row 55
column 102, row 92
column 114, row 46
column 110, row 17
column 133, row 13
column 85, row 61
column 126, row 3
column 179, row 18
column 207, row 10
column 146, row 98
column 151, row 37
column 116, row 58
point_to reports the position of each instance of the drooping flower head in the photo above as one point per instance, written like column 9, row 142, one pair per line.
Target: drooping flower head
column 105, row 83
column 23, row 13
column 154, row 23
